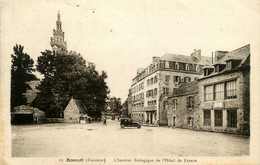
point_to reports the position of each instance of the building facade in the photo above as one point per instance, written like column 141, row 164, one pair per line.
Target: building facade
column 74, row 110
column 220, row 100
column 153, row 84
column 57, row 41
column 224, row 92
column 183, row 107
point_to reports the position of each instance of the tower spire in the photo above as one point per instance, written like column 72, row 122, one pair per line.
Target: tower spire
column 58, row 15
column 57, row 41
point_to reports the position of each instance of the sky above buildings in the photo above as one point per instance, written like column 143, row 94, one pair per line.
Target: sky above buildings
column 121, row 36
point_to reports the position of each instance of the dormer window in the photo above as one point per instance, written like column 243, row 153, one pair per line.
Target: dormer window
column 208, row 70
column 187, row 67
column 198, row 68
column 216, row 68
column 177, row 66
column 219, row 67
column 232, row 63
column 167, row 64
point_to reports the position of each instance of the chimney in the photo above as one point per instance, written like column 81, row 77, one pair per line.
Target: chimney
column 220, row 54
column 212, row 58
column 196, row 54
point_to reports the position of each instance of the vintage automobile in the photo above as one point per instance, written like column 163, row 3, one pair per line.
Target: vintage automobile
column 127, row 122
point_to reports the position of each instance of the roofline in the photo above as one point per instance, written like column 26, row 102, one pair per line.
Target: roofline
column 182, row 71
column 182, row 95
column 225, row 72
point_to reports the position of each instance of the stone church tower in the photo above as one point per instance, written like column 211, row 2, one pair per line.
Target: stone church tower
column 57, row 41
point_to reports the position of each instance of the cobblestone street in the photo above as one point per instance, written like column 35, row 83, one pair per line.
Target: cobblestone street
column 59, row 140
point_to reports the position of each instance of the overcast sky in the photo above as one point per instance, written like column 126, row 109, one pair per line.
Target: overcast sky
column 121, row 36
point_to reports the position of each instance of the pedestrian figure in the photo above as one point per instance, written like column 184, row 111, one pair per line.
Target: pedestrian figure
column 105, row 121
column 158, row 123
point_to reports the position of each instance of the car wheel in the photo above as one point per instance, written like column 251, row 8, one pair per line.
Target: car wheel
column 138, row 126
column 122, row 126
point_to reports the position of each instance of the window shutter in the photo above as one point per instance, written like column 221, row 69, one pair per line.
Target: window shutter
column 187, row 103
column 192, row 102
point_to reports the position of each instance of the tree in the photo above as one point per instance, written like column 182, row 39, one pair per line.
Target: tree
column 115, row 105
column 66, row 75
column 21, row 72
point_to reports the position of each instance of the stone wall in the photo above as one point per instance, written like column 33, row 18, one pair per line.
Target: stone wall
column 237, row 104
column 182, row 113
column 71, row 113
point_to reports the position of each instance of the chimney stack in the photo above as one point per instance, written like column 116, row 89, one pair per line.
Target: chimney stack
column 219, row 55
column 196, row 54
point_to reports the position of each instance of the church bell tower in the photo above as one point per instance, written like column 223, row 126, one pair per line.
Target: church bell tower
column 57, row 41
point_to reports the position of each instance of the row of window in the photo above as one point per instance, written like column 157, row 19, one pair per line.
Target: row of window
column 138, row 87
column 139, row 97
column 137, row 105
column 225, row 90
column 152, row 80
column 151, row 103
column 152, row 92
column 181, row 66
column 169, row 65
column 189, row 103
column 218, row 118
column 178, row 79
column 218, row 68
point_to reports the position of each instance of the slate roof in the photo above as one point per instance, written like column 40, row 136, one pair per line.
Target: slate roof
column 242, row 54
column 237, row 54
column 80, row 106
column 186, row 59
column 186, row 89
column 24, row 109
column 32, row 92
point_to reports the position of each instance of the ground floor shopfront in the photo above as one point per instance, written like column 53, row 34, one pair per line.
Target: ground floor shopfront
column 145, row 117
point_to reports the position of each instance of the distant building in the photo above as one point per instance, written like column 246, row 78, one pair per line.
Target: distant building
column 183, row 106
column 74, row 110
column 57, row 41
column 32, row 92
column 224, row 92
column 24, row 114
column 153, row 84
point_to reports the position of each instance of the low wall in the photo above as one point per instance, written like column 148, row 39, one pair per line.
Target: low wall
column 54, row 120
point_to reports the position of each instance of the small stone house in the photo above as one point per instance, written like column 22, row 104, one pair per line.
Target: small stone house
column 182, row 106
column 74, row 110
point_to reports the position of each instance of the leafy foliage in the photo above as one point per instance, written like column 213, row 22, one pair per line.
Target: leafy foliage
column 21, row 72
column 115, row 105
column 67, row 75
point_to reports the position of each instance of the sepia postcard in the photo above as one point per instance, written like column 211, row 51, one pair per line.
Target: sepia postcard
column 129, row 82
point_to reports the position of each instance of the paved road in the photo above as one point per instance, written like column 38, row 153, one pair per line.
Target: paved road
column 60, row 140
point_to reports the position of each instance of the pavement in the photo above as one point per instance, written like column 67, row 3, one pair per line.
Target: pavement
column 96, row 139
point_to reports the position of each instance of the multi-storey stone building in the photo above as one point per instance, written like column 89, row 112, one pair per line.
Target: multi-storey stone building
column 57, row 41
column 224, row 92
column 154, row 83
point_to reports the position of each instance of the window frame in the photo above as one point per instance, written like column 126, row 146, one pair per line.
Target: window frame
column 234, row 90
column 218, row 121
column 233, row 122
column 208, row 121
